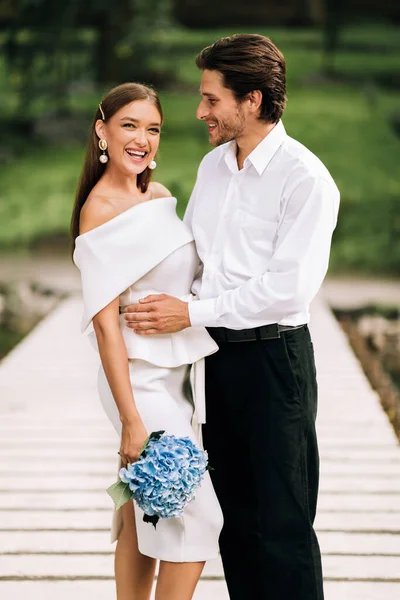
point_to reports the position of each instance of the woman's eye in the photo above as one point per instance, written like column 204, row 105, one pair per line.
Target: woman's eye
column 154, row 130
column 128, row 125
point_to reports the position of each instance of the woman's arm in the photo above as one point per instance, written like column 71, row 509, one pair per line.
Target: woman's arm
column 114, row 357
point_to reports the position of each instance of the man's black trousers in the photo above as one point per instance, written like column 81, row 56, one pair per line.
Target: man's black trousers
column 261, row 399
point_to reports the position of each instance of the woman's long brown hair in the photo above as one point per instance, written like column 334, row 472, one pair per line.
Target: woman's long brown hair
column 93, row 169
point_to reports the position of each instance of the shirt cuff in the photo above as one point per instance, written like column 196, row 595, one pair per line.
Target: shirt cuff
column 202, row 313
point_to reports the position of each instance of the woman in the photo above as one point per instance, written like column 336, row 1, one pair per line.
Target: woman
column 129, row 242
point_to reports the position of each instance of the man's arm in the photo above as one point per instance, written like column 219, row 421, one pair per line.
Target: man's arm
column 297, row 267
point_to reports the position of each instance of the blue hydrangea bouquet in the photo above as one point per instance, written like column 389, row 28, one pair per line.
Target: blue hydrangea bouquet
column 164, row 479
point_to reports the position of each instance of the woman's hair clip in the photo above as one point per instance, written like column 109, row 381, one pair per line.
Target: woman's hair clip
column 102, row 112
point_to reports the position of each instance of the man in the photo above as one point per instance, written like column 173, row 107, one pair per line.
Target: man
column 262, row 214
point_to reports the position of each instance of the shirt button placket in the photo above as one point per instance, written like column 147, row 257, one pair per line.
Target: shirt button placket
column 221, row 233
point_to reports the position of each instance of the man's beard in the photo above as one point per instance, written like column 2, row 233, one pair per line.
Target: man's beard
column 230, row 130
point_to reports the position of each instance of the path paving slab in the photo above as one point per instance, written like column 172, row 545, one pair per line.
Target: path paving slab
column 352, row 521
column 352, row 543
column 92, row 542
column 52, row 542
column 353, row 590
column 99, row 520
column 362, row 567
column 104, row 590
column 44, row 500
column 95, row 566
column 353, row 502
column 55, row 501
column 98, row 590
column 91, row 566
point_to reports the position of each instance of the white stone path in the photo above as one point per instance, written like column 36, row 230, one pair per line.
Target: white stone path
column 58, row 454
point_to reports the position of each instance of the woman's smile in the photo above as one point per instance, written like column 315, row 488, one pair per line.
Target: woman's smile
column 136, row 156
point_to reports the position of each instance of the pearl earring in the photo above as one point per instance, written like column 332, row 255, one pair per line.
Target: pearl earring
column 152, row 165
column 103, row 158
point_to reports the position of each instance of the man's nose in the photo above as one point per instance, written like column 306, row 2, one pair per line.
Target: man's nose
column 202, row 111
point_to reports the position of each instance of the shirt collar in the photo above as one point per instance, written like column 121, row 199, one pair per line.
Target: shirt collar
column 261, row 155
column 229, row 155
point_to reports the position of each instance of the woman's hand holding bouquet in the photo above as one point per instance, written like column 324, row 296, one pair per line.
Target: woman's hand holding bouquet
column 164, row 479
column 133, row 438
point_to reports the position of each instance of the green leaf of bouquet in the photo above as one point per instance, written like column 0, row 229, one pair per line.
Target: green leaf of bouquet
column 120, row 493
column 155, row 435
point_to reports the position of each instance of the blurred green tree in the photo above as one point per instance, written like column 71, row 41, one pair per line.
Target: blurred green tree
column 48, row 45
column 333, row 19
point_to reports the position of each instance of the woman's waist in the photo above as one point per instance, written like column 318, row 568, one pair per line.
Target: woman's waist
column 171, row 349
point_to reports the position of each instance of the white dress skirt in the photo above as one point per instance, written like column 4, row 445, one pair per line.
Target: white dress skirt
column 149, row 250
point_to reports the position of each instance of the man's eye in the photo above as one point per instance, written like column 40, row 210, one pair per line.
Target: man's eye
column 212, row 101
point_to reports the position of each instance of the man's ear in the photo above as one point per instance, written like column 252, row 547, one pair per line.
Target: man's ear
column 100, row 128
column 255, row 100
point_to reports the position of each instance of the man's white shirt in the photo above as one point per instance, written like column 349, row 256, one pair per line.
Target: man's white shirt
column 262, row 233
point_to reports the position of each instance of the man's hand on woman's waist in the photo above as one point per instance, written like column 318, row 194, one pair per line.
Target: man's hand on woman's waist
column 157, row 314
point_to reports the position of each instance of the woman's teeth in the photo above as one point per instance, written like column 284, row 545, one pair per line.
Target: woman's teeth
column 136, row 154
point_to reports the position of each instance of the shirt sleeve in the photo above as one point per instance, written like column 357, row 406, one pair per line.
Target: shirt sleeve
column 297, row 267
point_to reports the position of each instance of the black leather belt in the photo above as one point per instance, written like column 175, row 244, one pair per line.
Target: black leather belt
column 265, row 332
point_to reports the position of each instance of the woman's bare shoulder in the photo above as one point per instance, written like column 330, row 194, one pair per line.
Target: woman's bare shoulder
column 96, row 211
column 158, row 190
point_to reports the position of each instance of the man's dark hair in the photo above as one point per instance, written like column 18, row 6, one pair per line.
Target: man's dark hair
column 249, row 62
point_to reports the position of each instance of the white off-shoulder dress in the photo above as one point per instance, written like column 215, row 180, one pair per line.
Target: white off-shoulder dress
column 148, row 250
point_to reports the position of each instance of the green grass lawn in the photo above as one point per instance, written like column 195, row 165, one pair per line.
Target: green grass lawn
column 345, row 122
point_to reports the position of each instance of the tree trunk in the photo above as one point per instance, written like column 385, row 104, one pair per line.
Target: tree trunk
column 334, row 18
column 111, row 27
column 317, row 12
